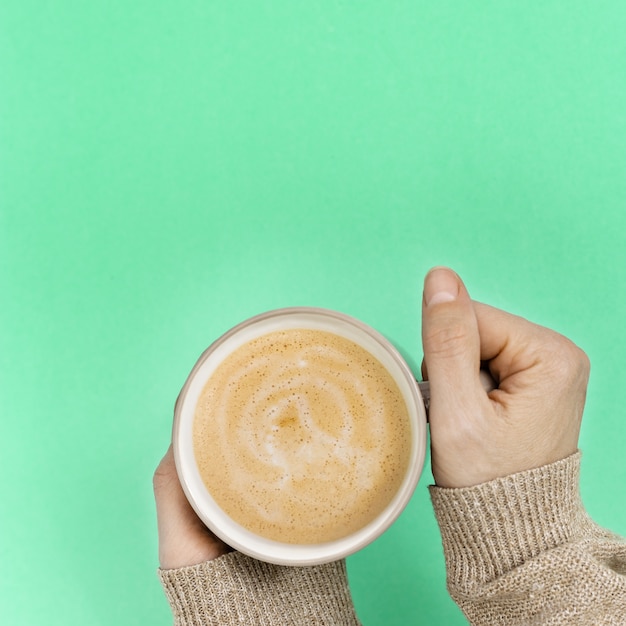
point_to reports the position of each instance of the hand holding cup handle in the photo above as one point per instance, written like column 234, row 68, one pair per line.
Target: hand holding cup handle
column 530, row 419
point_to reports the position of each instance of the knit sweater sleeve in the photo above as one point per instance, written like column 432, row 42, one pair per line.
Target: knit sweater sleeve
column 236, row 589
column 522, row 550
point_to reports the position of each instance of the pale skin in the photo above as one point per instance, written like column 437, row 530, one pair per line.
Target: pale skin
column 531, row 419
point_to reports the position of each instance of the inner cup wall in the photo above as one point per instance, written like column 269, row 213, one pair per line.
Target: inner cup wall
column 207, row 509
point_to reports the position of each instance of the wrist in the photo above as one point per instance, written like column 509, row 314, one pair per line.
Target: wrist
column 496, row 526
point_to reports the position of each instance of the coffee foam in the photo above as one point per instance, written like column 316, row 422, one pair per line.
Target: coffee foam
column 301, row 435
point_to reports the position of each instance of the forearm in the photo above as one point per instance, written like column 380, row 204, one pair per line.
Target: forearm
column 522, row 550
column 236, row 589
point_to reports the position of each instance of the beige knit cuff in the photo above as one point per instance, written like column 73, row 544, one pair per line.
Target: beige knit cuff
column 236, row 589
column 492, row 528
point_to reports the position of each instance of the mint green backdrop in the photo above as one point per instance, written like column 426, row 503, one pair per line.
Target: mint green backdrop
column 168, row 169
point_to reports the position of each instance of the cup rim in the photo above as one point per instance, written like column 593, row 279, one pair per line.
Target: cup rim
column 235, row 535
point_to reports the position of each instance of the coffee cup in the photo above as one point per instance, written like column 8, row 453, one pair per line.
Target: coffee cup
column 299, row 436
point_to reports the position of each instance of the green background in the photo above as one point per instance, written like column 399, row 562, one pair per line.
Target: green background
column 168, row 169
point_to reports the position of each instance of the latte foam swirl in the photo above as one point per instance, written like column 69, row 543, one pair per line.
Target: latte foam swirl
column 301, row 436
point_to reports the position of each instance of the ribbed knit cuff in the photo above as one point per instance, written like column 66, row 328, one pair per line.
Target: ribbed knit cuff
column 492, row 528
column 236, row 589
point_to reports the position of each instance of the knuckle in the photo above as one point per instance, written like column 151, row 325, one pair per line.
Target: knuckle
column 583, row 364
column 569, row 362
column 449, row 340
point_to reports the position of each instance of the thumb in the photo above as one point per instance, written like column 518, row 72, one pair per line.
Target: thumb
column 451, row 342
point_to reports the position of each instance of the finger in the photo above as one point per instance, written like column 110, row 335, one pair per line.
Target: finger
column 529, row 360
column 450, row 339
column 511, row 345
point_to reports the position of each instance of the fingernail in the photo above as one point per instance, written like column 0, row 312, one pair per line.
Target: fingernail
column 440, row 285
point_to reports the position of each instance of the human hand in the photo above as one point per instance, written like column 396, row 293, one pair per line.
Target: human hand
column 183, row 538
column 532, row 417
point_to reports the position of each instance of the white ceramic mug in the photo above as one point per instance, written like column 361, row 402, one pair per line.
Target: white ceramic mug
column 215, row 518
